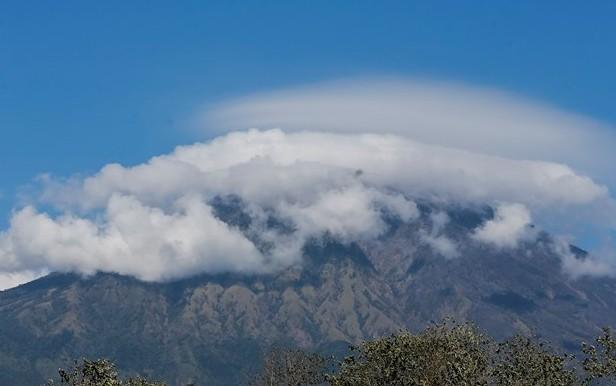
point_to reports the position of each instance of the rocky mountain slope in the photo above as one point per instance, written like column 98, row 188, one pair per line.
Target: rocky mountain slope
column 212, row 329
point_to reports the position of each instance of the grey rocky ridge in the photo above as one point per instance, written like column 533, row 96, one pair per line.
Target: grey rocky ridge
column 213, row 328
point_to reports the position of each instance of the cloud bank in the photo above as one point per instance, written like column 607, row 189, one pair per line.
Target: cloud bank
column 336, row 171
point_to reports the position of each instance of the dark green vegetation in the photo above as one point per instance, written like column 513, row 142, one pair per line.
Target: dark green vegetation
column 458, row 354
column 215, row 330
column 97, row 373
column 293, row 367
column 443, row 354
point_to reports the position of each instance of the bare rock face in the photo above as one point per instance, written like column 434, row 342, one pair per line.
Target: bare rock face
column 212, row 329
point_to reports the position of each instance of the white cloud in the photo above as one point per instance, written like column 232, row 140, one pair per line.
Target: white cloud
column 154, row 220
column 303, row 164
column 348, row 214
column 576, row 267
column 510, row 225
column 435, row 238
column 13, row 279
column 129, row 238
column 477, row 119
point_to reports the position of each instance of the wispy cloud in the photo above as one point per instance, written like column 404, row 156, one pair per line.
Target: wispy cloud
column 511, row 225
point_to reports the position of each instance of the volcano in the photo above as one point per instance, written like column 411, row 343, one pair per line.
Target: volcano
column 214, row 328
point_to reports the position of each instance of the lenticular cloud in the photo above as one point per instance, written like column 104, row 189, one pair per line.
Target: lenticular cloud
column 476, row 119
column 155, row 220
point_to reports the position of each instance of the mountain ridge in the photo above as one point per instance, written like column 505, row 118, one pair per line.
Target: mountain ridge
column 213, row 328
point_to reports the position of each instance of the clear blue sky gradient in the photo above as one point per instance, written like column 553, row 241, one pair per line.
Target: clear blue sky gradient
column 85, row 83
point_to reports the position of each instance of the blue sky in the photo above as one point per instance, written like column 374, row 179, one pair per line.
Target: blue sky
column 83, row 84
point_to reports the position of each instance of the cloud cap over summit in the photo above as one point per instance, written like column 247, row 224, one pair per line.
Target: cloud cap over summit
column 155, row 220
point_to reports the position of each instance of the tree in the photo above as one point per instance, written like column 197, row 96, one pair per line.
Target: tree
column 600, row 363
column 448, row 353
column 444, row 354
column 521, row 361
column 101, row 372
column 284, row 367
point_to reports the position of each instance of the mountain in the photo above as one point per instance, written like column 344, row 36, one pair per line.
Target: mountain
column 212, row 329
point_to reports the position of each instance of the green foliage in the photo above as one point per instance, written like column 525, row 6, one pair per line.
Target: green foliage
column 99, row 372
column 521, row 361
column 291, row 367
column 444, row 354
column 600, row 363
column 447, row 353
